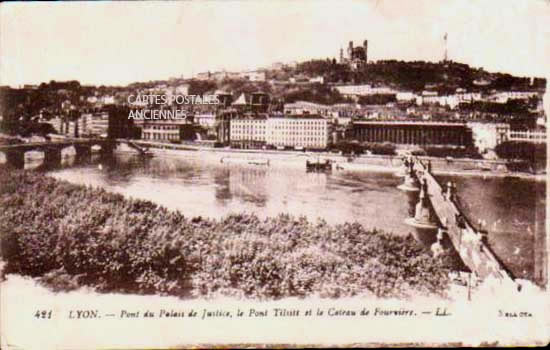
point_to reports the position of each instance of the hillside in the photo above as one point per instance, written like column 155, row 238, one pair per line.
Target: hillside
column 418, row 75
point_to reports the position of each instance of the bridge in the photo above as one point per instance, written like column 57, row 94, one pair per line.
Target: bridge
column 15, row 154
column 436, row 211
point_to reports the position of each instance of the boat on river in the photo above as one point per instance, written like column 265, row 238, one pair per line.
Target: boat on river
column 318, row 164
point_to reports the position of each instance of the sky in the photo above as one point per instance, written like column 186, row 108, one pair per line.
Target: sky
column 116, row 43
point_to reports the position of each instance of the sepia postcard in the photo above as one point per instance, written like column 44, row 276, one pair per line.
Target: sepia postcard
column 274, row 174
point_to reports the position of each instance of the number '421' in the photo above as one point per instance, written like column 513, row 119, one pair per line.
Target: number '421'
column 43, row 314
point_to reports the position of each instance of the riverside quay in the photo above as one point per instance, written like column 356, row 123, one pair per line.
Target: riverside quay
column 413, row 133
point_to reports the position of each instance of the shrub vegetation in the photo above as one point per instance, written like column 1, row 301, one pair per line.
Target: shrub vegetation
column 70, row 235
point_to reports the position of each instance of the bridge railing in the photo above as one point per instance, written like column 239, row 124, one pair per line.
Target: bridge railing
column 466, row 239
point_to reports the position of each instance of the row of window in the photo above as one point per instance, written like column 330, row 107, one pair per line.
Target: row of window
column 245, row 137
column 160, row 136
column 299, row 144
column 300, row 122
column 247, row 127
column 162, row 127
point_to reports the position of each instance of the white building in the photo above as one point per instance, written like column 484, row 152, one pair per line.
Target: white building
column 404, row 96
column 245, row 130
column 318, row 79
column 93, row 124
column 202, row 76
column 206, row 120
column 468, row 97
column 363, row 90
column 342, row 120
column 108, row 100
column 487, row 136
column 533, row 136
column 297, row 131
column 182, row 89
column 254, row 75
column 91, row 99
column 162, row 130
column 305, row 107
column 505, row 96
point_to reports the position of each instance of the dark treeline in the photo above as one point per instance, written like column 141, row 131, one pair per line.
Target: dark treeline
column 418, row 75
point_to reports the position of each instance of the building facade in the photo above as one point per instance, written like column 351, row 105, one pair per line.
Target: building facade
column 413, row 133
column 363, row 90
column 309, row 132
column 487, row 136
column 248, row 132
column 304, row 107
column 162, row 130
column 356, row 55
column 93, row 124
column 206, row 120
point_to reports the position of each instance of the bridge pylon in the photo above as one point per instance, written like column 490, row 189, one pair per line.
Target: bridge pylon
column 411, row 182
column 107, row 149
column 424, row 219
column 15, row 159
column 52, row 157
column 83, row 153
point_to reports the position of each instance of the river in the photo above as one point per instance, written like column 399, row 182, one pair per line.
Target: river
column 198, row 184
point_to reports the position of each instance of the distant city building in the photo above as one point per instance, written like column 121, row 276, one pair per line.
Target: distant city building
column 292, row 64
column 182, row 89
column 108, row 100
column 225, row 98
column 468, row 97
column 505, row 96
column 66, row 105
column 203, row 76
column 344, row 110
column 163, row 130
column 412, row 133
column 404, row 96
column 356, row 56
column 318, row 79
column 93, row 124
column 58, row 124
column 534, row 136
column 382, row 112
column 92, row 99
column 206, row 120
column 254, row 75
column 257, row 102
column 223, row 122
column 481, row 82
column 304, row 107
column 277, row 65
column 427, row 93
column 363, row 90
column 341, row 120
column 248, row 132
column 487, row 136
column 452, row 101
column 87, row 125
column 297, row 131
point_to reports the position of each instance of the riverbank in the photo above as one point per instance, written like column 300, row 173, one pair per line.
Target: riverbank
column 368, row 163
column 69, row 236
